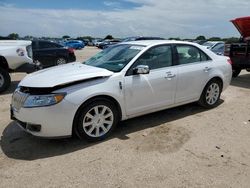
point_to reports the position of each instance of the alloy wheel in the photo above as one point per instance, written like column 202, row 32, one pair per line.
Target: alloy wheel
column 60, row 61
column 98, row 121
column 213, row 93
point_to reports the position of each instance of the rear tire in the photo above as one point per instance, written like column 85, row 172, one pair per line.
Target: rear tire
column 211, row 94
column 4, row 80
column 96, row 119
column 236, row 72
column 61, row 61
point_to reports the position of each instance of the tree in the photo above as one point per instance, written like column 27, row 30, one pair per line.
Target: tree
column 66, row 37
column 215, row 39
column 201, row 37
column 174, row 38
column 13, row 36
column 109, row 37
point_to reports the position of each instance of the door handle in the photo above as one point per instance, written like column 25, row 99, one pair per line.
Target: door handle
column 206, row 69
column 169, row 75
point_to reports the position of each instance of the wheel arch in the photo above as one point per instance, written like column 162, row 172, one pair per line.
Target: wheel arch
column 90, row 100
column 213, row 78
column 217, row 78
column 4, row 63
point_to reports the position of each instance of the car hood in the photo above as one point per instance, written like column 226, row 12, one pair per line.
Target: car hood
column 62, row 75
column 243, row 26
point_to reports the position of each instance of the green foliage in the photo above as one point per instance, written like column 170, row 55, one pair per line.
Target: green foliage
column 13, row 36
column 66, row 37
column 109, row 37
column 201, row 37
column 85, row 38
column 231, row 40
column 174, row 38
column 215, row 39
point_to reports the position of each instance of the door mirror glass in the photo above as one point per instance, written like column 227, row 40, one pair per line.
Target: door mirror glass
column 141, row 69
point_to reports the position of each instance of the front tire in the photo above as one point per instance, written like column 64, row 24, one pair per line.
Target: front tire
column 4, row 80
column 96, row 120
column 211, row 94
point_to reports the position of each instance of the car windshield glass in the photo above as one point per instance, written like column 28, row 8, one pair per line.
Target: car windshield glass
column 115, row 58
column 208, row 44
column 218, row 47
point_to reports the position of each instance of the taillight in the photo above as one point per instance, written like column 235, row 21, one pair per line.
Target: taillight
column 229, row 61
column 71, row 50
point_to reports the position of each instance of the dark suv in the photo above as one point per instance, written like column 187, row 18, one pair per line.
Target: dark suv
column 51, row 54
column 240, row 52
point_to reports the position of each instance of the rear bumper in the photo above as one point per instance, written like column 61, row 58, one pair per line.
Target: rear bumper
column 72, row 58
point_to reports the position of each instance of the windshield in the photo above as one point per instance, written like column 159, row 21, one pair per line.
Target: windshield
column 208, row 44
column 115, row 58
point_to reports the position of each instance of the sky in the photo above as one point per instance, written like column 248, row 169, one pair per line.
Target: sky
column 121, row 18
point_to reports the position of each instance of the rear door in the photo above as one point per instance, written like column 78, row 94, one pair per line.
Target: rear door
column 193, row 70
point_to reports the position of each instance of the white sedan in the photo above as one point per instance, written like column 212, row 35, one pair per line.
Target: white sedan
column 121, row 82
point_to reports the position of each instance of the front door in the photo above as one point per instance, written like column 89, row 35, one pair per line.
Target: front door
column 149, row 92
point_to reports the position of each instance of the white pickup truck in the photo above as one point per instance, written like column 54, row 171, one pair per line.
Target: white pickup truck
column 15, row 55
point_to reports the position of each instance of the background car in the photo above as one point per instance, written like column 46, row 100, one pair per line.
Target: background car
column 239, row 52
column 51, row 54
column 121, row 82
column 212, row 44
column 75, row 44
column 14, row 56
column 141, row 38
column 218, row 49
column 108, row 44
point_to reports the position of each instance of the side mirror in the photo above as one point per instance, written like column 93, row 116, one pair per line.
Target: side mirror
column 141, row 69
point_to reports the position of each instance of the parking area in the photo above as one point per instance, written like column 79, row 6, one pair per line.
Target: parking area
column 187, row 146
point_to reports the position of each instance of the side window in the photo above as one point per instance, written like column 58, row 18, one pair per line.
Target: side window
column 190, row 54
column 156, row 57
column 34, row 45
column 45, row 45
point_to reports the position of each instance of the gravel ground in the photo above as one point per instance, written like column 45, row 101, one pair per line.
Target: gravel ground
column 186, row 146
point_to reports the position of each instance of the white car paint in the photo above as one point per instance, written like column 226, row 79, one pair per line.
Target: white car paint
column 71, row 72
column 136, row 95
column 8, row 49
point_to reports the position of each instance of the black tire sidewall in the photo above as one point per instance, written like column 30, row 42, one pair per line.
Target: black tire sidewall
column 61, row 58
column 6, row 78
column 203, row 100
column 78, row 129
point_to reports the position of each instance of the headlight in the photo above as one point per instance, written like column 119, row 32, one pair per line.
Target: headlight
column 43, row 100
column 20, row 52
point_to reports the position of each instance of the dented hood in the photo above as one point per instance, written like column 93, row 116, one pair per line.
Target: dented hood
column 62, row 75
column 243, row 26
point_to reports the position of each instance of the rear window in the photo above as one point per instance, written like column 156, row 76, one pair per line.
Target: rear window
column 189, row 54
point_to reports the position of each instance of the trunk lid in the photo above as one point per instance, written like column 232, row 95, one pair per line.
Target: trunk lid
column 243, row 26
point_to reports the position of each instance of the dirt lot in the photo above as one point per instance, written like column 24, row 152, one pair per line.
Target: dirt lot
column 186, row 146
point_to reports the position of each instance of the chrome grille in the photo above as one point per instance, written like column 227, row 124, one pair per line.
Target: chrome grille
column 18, row 99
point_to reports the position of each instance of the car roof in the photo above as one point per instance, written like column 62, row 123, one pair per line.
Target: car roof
column 150, row 43
column 157, row 42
